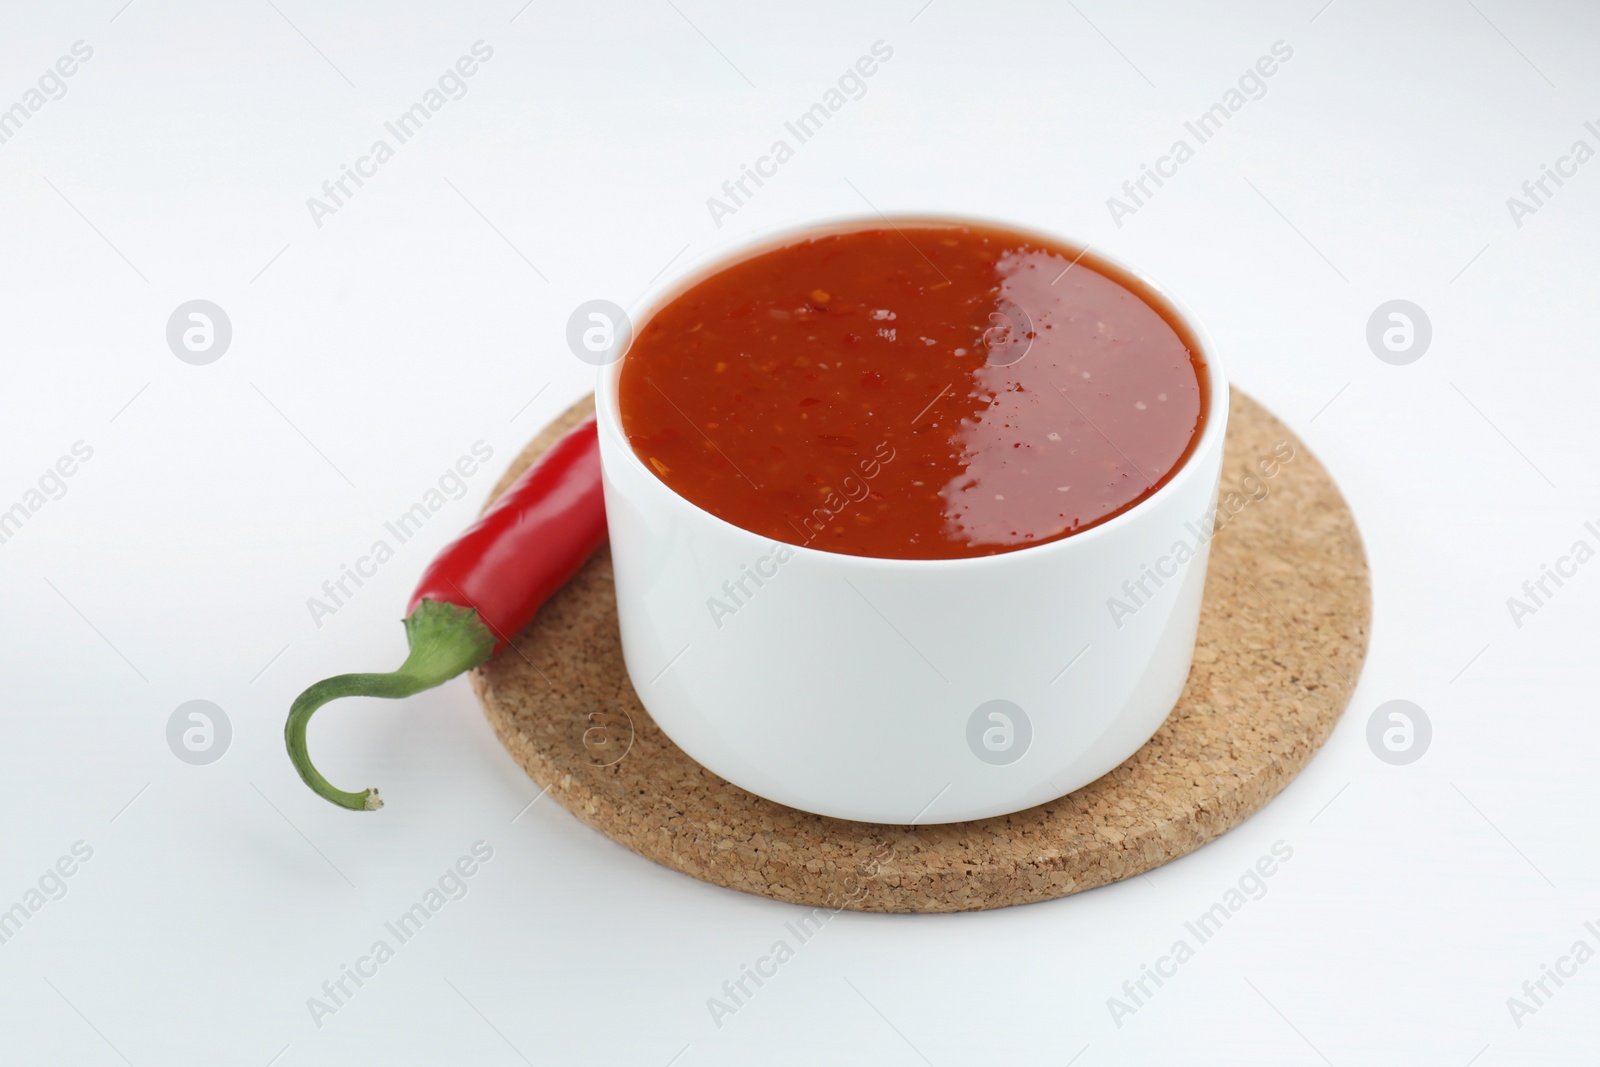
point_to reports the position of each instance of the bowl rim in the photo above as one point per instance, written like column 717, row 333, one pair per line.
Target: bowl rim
column 727, row 253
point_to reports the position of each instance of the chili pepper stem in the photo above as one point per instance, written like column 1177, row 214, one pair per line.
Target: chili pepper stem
column 445, row 640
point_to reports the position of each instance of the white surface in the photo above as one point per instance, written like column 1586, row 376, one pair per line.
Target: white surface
column 1418, row 898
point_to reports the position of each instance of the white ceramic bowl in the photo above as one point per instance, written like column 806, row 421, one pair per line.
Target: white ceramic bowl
column 907, row 691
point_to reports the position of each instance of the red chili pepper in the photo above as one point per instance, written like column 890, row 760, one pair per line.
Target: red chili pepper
column 480, row 591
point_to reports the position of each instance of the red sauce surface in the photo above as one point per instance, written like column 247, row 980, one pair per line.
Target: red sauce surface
column 922, row 392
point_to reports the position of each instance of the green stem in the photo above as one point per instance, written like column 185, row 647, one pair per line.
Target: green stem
column 445, row 640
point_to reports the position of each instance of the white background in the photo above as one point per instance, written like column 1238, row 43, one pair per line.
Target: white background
column 427, row 313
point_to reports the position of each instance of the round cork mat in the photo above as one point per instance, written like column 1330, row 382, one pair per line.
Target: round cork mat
column 1283, row 633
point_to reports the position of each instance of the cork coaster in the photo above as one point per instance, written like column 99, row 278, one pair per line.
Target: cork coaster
column 1283, row 633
